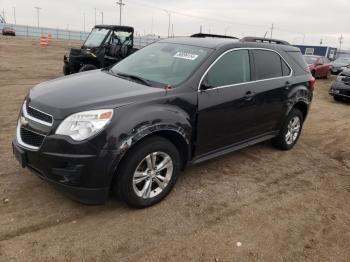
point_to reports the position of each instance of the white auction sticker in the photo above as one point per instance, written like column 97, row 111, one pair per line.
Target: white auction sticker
column 185, row 55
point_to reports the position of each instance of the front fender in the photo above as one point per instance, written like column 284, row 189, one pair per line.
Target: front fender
column 147, row 119
column 134, row 122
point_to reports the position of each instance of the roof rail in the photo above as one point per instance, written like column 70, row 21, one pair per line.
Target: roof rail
column 263, row 40
column 202, row 35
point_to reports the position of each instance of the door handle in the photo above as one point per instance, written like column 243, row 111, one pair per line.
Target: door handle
column 249, row 95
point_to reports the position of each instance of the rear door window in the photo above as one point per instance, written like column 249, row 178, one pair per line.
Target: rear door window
column 269, row 64
column 232, row 68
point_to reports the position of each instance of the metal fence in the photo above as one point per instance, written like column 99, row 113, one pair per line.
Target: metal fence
column 61, row 34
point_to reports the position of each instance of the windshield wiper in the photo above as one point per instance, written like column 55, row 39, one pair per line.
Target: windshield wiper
column 137, row 78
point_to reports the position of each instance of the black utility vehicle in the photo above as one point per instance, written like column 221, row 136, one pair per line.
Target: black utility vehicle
column 340, row 88
column 105, row 46
column 133, row 127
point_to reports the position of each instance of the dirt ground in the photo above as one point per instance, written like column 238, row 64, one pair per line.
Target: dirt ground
column 281, row 206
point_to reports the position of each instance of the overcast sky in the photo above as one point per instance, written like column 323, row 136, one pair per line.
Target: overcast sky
column 293, row 19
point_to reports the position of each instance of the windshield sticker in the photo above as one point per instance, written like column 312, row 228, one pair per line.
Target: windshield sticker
column 185, row 55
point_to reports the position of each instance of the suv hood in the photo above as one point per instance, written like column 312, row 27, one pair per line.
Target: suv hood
column 86, row 91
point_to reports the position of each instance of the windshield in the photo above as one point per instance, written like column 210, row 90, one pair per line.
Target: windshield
column 165, row 63
column 343, row 60
column 96, row 37
column 310, row 59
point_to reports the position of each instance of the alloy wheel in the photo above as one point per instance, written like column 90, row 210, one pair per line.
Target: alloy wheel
column 152, row 175
column 293, row 130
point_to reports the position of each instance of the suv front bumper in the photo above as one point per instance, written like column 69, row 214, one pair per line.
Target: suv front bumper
column 84, row 178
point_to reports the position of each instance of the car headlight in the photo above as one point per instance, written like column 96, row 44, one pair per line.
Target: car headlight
column 83, row 125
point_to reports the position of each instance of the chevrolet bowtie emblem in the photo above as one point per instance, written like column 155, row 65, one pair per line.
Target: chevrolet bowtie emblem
column 23, row 121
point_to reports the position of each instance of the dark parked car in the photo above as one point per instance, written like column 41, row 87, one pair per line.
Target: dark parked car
column 319, row 66
column 340, row 88
column 8, row 31
column 133, row 127
column 340, row 64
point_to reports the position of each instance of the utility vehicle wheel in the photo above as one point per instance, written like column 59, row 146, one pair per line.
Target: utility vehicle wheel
column 148, row 172
column 338, row 98
column 87, row 68
column 290, row 131
column 66, row 70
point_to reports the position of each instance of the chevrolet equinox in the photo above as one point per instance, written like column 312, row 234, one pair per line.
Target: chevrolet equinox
column 131, row 128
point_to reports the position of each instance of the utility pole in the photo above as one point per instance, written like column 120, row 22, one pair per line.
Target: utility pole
column 172, row 30
column 14, row 15
column 95, row 15
column 166, row 11
column 121, row 4
column 102, row 17
column 200, row 29
column 84, row 20
column 272, row 27
column 341, row 38
column 37, row 13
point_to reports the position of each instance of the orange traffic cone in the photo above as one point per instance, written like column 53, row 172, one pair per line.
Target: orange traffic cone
column 49, row 39
column 43, row 41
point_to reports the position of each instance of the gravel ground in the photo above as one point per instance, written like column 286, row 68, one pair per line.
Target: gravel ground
column 257, row 204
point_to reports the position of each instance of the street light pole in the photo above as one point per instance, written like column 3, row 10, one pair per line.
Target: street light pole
column 166, row 11
column 121, row 4
column 95, row 16
column 272, row 27
column 37, row 13
column 14, row 15
column 84, row 21
column 102, row 17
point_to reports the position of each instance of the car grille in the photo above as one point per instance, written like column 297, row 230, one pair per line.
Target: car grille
column 31, row 138
column 39, row 115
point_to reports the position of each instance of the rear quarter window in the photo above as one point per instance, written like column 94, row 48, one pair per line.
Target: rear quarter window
column 299, row 60
column 269, row 64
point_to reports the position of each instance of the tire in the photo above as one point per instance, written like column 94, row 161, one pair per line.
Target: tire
column 338, row 98
column 328, row 74
column 87, row 67
column 283, row 141
column 66, row 70
column 133, row 191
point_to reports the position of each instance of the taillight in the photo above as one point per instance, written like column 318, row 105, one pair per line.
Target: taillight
column 312, row 84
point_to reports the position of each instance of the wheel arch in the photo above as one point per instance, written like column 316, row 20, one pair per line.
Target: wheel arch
column 175, row 135
column 303, row 107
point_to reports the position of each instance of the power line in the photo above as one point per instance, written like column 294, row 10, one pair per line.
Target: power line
column 212, row 19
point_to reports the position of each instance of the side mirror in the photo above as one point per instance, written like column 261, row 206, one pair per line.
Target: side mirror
column 205, row 85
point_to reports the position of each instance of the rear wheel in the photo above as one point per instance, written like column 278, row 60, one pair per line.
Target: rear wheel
column 148, row 172
column 290, row 131
column 87, row 67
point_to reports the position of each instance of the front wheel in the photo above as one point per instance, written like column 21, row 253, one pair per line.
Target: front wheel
column 148, row 172
column 290, row 131
column 337, row 98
